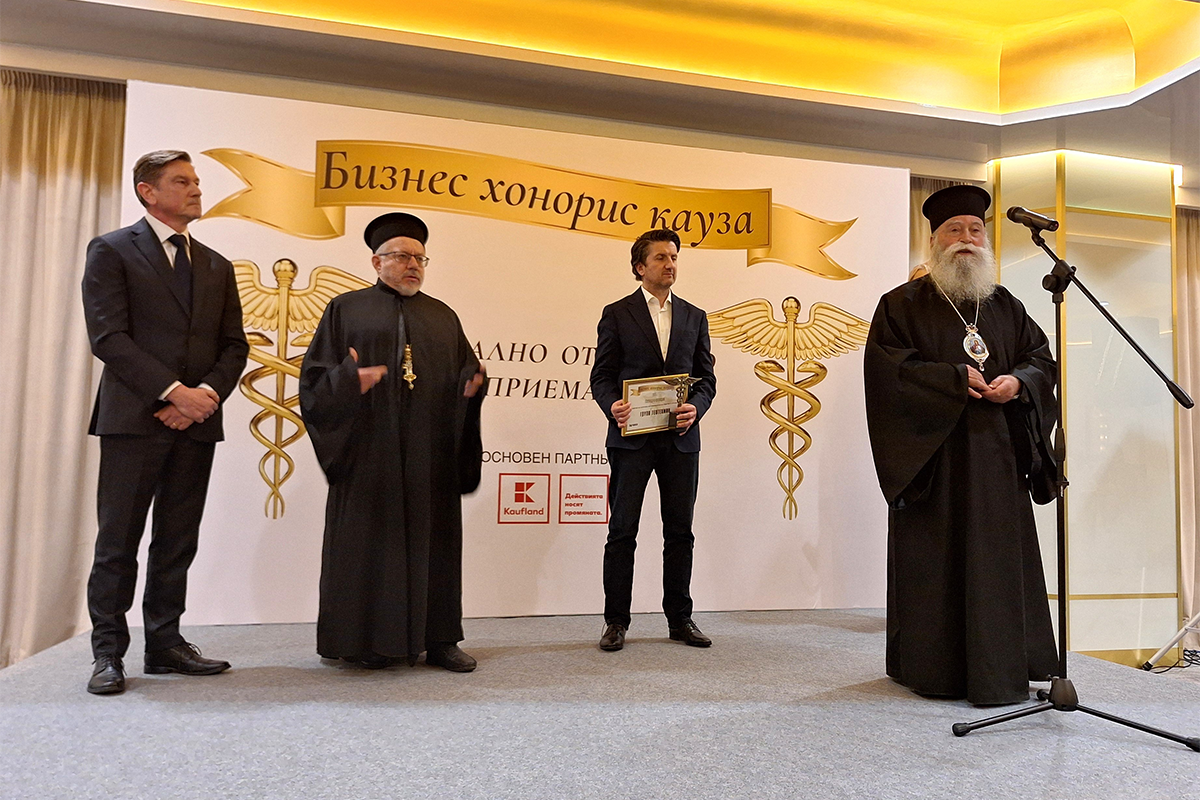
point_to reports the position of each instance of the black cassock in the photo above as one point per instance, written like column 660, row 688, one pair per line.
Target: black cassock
column 397, row 461
column 968, row 614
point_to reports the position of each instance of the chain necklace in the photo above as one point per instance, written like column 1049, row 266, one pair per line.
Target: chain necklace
column 973, row 343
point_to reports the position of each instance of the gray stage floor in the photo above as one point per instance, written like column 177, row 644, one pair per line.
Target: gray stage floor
column 784, row 705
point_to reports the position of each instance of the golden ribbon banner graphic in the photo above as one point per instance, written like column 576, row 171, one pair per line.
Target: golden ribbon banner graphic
column 356, row 173
column 829, row 332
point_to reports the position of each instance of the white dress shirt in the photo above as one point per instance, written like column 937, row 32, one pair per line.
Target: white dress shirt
column 661, row 314
column 164, row 232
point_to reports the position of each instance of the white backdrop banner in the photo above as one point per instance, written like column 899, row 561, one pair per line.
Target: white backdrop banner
column 529, row 240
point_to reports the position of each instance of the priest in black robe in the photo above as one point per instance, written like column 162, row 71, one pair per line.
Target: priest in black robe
column 390, row 392
column 960, row 408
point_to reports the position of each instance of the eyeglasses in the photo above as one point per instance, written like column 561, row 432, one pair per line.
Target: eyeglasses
column 402, row 257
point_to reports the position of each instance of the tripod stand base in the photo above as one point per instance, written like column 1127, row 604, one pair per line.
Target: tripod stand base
column 1063, row 697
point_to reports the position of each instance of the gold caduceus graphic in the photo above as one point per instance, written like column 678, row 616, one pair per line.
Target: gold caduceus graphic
column 751, row 327
column 282, row 310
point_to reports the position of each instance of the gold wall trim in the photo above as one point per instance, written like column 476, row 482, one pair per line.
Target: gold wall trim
column 1175, row 406
column 1128, row 658
column 997, row 216
column 1121, row 596
column 1123, row 214
column 1060, row 247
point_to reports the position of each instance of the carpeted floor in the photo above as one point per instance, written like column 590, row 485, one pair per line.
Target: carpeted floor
column 784, row 705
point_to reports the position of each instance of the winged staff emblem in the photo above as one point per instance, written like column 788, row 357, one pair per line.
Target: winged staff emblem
column 829, row 332
column 281, row 311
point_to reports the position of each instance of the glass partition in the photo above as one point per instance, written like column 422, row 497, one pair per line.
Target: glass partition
column 1122, row 527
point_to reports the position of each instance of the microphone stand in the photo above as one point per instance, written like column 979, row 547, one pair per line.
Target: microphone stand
column 1062, row 695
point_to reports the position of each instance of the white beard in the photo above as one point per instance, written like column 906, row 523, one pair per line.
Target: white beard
column 964, row 276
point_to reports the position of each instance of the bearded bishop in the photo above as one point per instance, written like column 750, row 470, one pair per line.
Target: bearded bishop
column 960, row 408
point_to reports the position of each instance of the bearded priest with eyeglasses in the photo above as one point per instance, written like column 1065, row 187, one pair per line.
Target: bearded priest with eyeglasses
column 390, row 393
column 960, row 409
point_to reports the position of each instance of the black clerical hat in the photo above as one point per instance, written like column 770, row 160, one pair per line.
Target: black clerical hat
column 389, row 226
column 955, row 201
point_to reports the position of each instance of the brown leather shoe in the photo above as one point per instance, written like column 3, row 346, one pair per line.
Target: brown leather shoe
column 182, row 658
column 448, row 655
column 689, row 634
column 108, row 676
column 613, row 638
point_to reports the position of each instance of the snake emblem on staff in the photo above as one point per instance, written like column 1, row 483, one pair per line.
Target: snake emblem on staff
column 751, row 327
column 283, row 311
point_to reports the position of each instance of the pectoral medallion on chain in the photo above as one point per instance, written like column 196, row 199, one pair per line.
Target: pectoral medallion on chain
column 973, row 343
column 975, row 346
column 408, row 365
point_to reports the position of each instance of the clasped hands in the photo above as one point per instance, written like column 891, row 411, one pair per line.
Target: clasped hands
column 685, row 415
column 368, row 377
column 1001, row 390
column 186, row 406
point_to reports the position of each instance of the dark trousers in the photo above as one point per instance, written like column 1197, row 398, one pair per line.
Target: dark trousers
column 677, row 474
column 172, row 471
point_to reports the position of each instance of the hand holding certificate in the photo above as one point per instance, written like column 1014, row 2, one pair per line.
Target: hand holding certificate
column 654, row 402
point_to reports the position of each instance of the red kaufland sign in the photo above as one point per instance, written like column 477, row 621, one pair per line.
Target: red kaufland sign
column 523, row 499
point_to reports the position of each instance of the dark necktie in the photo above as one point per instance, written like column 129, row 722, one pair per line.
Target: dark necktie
column 183, row 269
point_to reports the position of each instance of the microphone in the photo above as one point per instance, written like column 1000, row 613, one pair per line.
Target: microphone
column 1031, row 219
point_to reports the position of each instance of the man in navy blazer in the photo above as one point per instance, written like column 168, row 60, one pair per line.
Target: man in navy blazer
column 651, row 333
column 163, row 315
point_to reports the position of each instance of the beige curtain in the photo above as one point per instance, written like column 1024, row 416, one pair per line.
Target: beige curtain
column 919, row 190
column 1187, row 263
column 59, row 187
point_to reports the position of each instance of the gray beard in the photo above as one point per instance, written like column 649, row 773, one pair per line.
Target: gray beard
column 964, row 276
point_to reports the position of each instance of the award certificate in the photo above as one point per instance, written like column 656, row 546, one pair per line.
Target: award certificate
column 652, row 403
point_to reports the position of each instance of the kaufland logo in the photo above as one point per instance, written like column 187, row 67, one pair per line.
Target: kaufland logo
column 524, row 512
column 523, row 499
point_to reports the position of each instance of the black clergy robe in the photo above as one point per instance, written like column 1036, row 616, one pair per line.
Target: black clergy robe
column 397, row 461
column 967, row 613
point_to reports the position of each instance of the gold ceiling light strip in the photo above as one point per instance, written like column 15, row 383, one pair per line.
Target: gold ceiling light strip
column 1000, row 58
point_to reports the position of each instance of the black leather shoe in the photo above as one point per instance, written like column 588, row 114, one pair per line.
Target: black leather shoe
column 108, row 676
column 183, row 658
column 373, row 661
column 613, row 638
column 689, row 634
column 448, row 655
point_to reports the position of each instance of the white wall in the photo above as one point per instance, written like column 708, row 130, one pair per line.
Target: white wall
column 518, row 283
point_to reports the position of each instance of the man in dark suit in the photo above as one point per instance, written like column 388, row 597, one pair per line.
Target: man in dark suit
column 652, row 333
column 163, row 315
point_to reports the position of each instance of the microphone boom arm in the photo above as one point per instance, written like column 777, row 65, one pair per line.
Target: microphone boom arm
column 1063, row 275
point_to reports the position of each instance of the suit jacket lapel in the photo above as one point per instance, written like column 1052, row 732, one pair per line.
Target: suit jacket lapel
column 641, row 315
column 678, row 321
column 149, row 246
